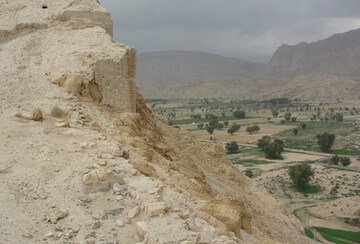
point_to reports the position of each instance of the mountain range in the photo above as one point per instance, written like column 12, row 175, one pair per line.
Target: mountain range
column 326, row 69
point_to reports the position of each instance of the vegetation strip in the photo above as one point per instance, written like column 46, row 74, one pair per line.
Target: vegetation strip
column 339, row 236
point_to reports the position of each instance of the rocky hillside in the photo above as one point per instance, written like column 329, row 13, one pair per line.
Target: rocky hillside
column 314, row 87
column 85, row 161
column 337, row 55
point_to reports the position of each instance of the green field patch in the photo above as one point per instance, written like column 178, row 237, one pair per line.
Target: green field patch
column 309, row 233
column 306, row 138
column 205, row 120
column 339, row 236
column 309, row 189
column 248, row 151
column 352, row 152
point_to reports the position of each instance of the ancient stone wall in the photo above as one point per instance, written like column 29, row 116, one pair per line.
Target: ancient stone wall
column 116, row 82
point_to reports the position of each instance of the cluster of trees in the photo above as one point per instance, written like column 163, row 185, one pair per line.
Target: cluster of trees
column 232, row 146
column 195, row 116
column 214, row 124
column 239, row 114
column 234, row 128
column 252, row 129
column 210, row 116
column 272, row 149
column 344, row 161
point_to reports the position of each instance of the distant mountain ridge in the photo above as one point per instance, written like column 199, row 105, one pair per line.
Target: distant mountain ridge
column 179, row 66
column 337, row 55
column 326, row 69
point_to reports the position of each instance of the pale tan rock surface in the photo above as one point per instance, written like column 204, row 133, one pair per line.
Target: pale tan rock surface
column 54, row 191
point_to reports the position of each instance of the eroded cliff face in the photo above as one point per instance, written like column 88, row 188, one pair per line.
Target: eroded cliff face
column 86, row 160
column 337, row 55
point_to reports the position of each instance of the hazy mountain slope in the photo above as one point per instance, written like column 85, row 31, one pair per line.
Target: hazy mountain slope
column 320, row 87
column 326, row 69
column 337, row 55
column 179, row 66
column 242, row 88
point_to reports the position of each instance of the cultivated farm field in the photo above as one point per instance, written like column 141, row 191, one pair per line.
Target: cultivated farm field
column 323, row 204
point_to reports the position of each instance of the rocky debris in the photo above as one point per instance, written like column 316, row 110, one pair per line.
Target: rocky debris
column 206, row 237
column 71, row 83
column 156, row 208
column 133, row 212
column 27, row 235
column 101, row 162
column 60, row 215
column 5, row 169
column 185, row 214
column 57, row 112
column 220, row 227
column 90, row 178
column 62, row 123
column 50, row 234
column 119, row 189
column 35, row 115
column 96, row 225
column 58, row 79
column 230, row 212
column 101, row 179
column 119, row 223
column 141, row 229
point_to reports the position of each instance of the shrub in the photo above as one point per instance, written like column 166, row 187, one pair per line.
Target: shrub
column 293, row 119
column 335, row 160
column 274, row 149
column 210, row 129
column 249, row 173
column 339, row 117
column 325, row 141
column 226, row 123
column 219, row 126
column 263, row 142
column 345, row 161
column 303, row 125
column 295, row 131
column 288, row 116
column 201, row 125
column 274, row 113
column 235, row 126
column 232, row 146
column 231, row 131
column 301, row 174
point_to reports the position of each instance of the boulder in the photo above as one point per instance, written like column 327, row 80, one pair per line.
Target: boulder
column 155, row 208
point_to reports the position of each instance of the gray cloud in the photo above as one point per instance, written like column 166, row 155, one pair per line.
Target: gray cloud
column 247, row 29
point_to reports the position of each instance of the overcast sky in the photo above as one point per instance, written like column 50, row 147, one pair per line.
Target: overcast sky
column 246, row 29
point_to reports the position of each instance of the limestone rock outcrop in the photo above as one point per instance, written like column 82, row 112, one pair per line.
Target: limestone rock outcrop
column 337, row 55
